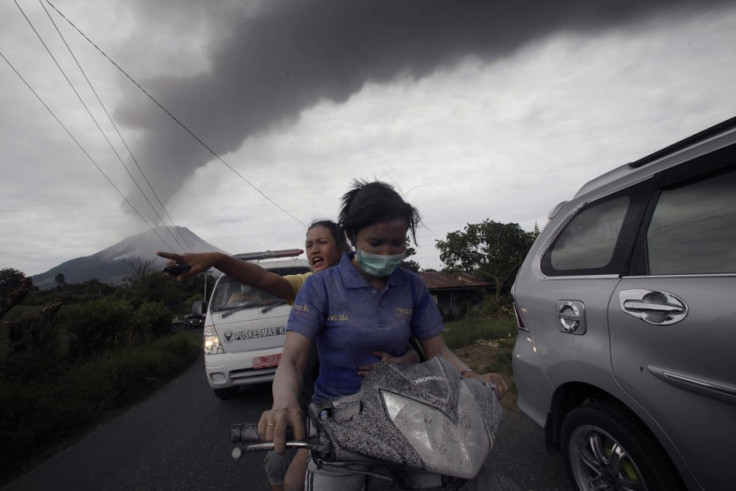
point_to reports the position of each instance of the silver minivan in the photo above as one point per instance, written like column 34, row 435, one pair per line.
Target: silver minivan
column 626, row 304
column 244, row 327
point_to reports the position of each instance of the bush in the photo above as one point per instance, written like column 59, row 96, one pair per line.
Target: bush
column 152, row 320
column 120, row 378
column 471, row 329
column 33, row 346
column 41, row 345
column 97, row 326
column 146, row 286
column 496, row 307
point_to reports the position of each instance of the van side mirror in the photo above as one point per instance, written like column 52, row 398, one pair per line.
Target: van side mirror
column 199, row 308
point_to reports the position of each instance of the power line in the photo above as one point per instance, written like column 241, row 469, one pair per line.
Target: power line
column 102, row 105
column 79, row 145
column 88, row 112
column 174, row 118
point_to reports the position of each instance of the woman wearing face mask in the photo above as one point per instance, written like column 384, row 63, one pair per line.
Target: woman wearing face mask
column 364, row 306
column 324, row 245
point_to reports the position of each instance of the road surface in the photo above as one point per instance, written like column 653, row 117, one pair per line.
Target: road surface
column 179, row 439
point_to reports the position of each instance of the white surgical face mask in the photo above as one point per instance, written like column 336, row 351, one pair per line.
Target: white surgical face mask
column 378, row 264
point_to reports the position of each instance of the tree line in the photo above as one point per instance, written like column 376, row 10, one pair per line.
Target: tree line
column 490, row 251
column 46, row 331
column 72, row 322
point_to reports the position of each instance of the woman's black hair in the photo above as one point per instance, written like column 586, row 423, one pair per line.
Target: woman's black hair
column 368, row 203
column 335, row 230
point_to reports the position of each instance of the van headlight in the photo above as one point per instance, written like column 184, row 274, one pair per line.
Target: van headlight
column 212, row 344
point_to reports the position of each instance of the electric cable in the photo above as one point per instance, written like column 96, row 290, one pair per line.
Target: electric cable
column 132, row 156
column 81, row 147
column 174, row 118
column 88, row 112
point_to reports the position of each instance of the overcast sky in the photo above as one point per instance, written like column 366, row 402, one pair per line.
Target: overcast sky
column 473, row 110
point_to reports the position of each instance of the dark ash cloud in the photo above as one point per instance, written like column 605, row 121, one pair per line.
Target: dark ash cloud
column 295, row 53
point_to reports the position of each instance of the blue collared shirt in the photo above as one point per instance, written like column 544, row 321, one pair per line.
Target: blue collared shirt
column 348, row 318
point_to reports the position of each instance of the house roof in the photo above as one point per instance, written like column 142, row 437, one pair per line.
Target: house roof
column 437, row 280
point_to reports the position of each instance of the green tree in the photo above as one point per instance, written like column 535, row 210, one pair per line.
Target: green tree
column 14, row 286
column 152, row 320
column 149, row 285
column 491, row 251
column 97, row 326
column 407, row 263
column 60, row 279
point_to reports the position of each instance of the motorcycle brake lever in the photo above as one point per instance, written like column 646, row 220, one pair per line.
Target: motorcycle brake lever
column 266, row 446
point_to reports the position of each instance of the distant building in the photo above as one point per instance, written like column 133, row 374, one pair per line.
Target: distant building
column 454, row 293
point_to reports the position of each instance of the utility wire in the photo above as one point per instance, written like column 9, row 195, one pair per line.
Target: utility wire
column 155, row 211
column 79, row 144
column 99, row 100
column 168, row 113
column 88, row 112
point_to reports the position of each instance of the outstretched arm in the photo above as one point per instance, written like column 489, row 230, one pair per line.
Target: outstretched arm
column 243, row 271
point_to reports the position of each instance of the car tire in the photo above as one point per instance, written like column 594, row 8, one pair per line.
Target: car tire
column 227, row 393
column 593, row 432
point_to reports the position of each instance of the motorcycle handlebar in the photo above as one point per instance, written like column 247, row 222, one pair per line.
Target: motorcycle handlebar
column 245, row 437
column 247, row 433
column 244, row 433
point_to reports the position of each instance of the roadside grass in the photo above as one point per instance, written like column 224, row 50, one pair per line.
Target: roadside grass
column 485, row 344
column 467, row 331
column 39, row 417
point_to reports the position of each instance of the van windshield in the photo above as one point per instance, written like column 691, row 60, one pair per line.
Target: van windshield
column 231, row 294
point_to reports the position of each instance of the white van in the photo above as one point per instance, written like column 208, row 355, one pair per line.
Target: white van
column 244, row 327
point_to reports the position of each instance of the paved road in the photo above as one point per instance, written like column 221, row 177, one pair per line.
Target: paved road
column 178, row 439
column 519, row 454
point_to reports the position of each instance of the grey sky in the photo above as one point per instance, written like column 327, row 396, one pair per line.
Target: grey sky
column 474, row 110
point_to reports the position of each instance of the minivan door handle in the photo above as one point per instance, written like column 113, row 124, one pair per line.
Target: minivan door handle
column 654, row 307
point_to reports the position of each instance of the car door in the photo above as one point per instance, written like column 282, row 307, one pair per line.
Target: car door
column 672, row 320
column 565, row 307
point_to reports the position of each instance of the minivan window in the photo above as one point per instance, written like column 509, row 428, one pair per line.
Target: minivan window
column 588, row 242
column 231, row 294
column 693, row 228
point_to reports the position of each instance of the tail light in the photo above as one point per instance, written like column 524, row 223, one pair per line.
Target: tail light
column 519, row 319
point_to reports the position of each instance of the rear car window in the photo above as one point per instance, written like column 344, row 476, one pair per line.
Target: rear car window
column 589, row 241
column 693, row 228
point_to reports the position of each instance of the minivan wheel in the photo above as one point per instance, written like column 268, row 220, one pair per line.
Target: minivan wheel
column 227, row 393
column 605, row 448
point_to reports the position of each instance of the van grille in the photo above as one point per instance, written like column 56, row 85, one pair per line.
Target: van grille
column 248, row 374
